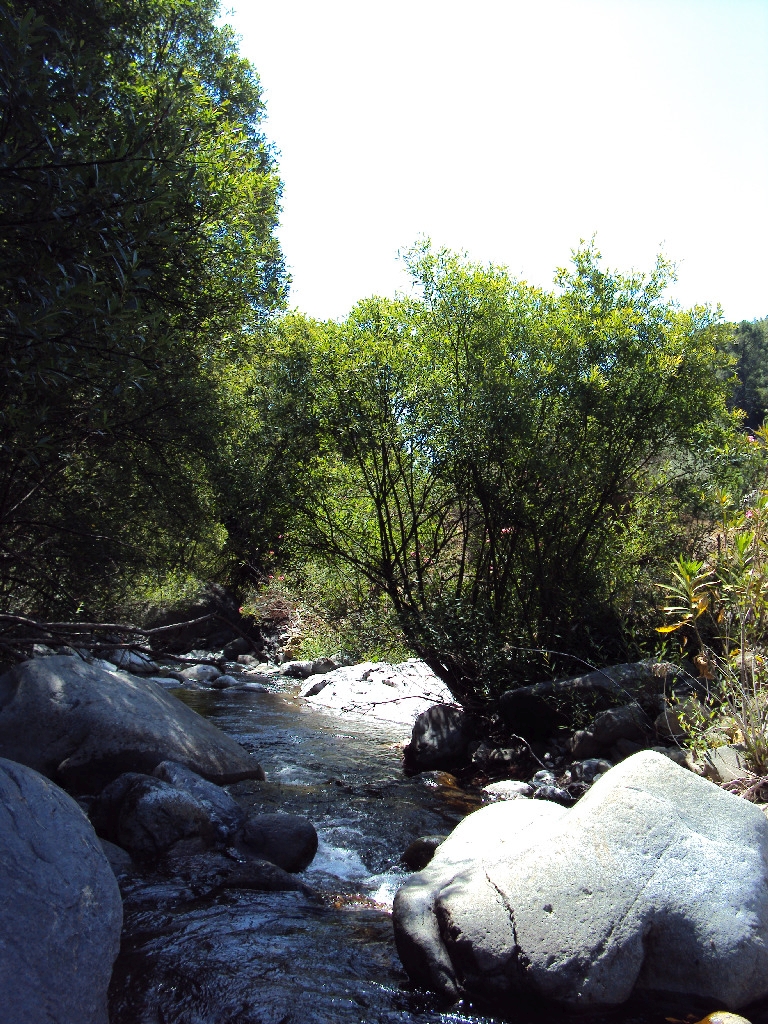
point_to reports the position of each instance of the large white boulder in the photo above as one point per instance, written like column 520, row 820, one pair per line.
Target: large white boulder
column 655, row 882
column 393, row 693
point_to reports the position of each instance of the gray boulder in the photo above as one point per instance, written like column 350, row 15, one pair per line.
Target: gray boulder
column 421, row 851
column 208, row 870
column 297, row 669
column 83, row 726
column 133, row 661
column 225, row 814
column 439, row 739
column 540, row 709
column 287, row 840
column 224, row 682
column 725, row 764
column 201, row 673
column 582, row 745
column 320, row 665
column 146, row 816
column 62, row 913
column 628, row 722
column 654, row 883
column 612, row 729
column 509, row 789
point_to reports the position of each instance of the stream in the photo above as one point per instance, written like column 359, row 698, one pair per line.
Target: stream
column 245, row 957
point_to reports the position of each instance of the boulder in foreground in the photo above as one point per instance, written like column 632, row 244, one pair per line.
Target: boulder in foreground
column 83, row 726
column 62, row 913
column 655, row 883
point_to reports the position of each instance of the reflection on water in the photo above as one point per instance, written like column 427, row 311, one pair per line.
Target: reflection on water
column 280, row 958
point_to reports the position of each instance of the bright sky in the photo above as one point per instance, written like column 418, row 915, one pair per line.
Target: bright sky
column 510, row 129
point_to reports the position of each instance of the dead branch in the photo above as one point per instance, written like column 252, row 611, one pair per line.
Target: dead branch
column 19, row 633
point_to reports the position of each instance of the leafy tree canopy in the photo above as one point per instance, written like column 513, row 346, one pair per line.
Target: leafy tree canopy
column 502, row 461
column 749, row 346
column 138, row 201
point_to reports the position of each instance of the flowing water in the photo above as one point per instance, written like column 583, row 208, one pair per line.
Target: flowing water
column 244, row 957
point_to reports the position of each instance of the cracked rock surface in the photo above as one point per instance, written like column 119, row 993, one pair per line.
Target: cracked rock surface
column 655, row 883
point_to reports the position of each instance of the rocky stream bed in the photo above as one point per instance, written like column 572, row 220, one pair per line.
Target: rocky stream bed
column 263, row 958
column 221, row 937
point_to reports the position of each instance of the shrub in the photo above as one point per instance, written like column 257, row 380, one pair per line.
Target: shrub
column 504, row 462
column 318, row 610
column 719, row 609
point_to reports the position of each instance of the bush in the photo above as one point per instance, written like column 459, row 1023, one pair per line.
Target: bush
column 315, row 610
column 719, row 610
column 504, row 463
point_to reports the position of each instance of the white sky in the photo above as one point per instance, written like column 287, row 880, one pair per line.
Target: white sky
column 510, row 129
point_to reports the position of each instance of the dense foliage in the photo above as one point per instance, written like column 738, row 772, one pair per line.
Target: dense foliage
column 502, row 461
column 138, row 200
column 749, row 346
column 718, row 607
column 503, row 466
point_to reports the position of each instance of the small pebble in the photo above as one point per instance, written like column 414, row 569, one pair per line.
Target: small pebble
column 543, row 778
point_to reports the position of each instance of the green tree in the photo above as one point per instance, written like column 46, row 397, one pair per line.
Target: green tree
column 749, row 346
column 138, row 201
column 502, row 461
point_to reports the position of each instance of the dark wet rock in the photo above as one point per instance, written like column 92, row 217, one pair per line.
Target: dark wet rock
column 234, row 868
column 119, row 859
column 421, row 851
column 653, row 884
column 436, row 779
column 237, row 648
column 104, row 810
column 225, row 814
column 590, row 769
column 439, row 739
column 479, row 752
column 61, row 909
column 153, row 815
column 287, row 840
column 83, row 726
column 628, row 722
column 537, row 711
